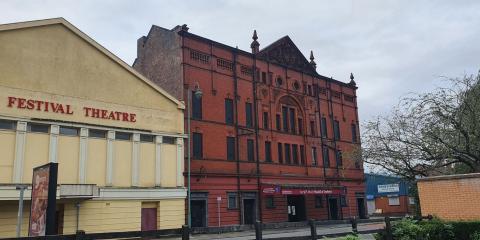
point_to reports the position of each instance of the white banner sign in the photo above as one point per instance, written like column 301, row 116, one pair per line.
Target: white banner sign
column 388, row 188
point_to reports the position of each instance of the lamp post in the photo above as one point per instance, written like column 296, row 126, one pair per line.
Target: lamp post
column 198, row 94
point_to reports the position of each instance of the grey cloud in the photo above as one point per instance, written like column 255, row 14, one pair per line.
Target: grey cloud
column 392, row 47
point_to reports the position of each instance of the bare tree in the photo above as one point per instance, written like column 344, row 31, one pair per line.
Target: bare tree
column 431, row 133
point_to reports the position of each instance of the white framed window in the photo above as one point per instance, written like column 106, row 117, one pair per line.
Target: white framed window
column 411, row 200
column 394, row 201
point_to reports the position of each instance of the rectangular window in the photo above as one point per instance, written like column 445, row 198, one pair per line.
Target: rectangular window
column 285, row 118
column 300, row 126
column 7, row 124
column 312, row 128
column 314, row 90
column 96, row 133
column 354, row 133
column 309, row 90
column 268, row 151
column 394, row 201
column 123, row 136
column 232, row 200
column 250, row 152
column 411, row 200
column 230, row 148
column 295, row 153
column 225, row 64
column 200, row 57
column 146, row 138
column 318, row 202
column 280, row 153
column 269, row 202
column 336, row 129
column 270, row 77
column 277, row 121
column 248, row 115
column 302, row 154
column 326, row 159
column 324, row 127
column 287, row 154
column 168, row 140
column 338, row 158
column 292, row 120
column 197, row 145
column 39, row 128
column 343, row 201
column 69, row 131
column 229, row 111
column 314, row 156
column 264, row 77
column 265, row 120
column 196, row 106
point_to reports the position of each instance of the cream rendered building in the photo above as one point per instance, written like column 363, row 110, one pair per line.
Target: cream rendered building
column 117, row 137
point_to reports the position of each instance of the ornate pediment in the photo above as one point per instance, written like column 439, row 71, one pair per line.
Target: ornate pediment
column 285, row 52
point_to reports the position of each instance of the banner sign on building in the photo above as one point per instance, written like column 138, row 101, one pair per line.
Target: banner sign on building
column 274, row 190
column 387, row 188
column 42, row 209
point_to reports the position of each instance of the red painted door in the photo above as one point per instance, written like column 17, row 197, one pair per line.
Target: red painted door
column 149, row 219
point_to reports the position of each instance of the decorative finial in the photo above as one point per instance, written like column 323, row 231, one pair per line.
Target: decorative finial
column 312, row 62
column 352, row 82
column 255, row 45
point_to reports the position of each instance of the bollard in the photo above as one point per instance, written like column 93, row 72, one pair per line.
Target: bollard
column 185, row 232
column 258, row 230
column 353, row 220
column 388, row 228
column 313, row 229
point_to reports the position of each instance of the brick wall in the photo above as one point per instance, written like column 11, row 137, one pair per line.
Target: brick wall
column 451, row 198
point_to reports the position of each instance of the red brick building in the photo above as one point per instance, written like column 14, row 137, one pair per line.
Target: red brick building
column 268, row 129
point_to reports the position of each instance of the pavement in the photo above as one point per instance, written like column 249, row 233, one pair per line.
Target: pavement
column 293, row 232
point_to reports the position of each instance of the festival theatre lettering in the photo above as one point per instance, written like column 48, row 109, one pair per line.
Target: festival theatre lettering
column 60, row 108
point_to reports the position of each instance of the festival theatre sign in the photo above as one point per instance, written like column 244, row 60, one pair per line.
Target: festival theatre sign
column 67, row 109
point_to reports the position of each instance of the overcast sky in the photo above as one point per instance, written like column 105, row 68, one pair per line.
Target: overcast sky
column 392, row 47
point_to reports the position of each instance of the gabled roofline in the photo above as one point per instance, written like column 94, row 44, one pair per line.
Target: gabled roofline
column 78, row 32
column 248, row 54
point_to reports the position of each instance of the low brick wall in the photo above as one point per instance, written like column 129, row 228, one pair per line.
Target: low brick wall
column 453, row 197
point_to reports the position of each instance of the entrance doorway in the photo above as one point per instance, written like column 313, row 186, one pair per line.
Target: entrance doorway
column 249, row 211
column 361, row 208
column 333, row 208
column 149, row 219
column 199, row 213
column 296, row 208
column 371, row 206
